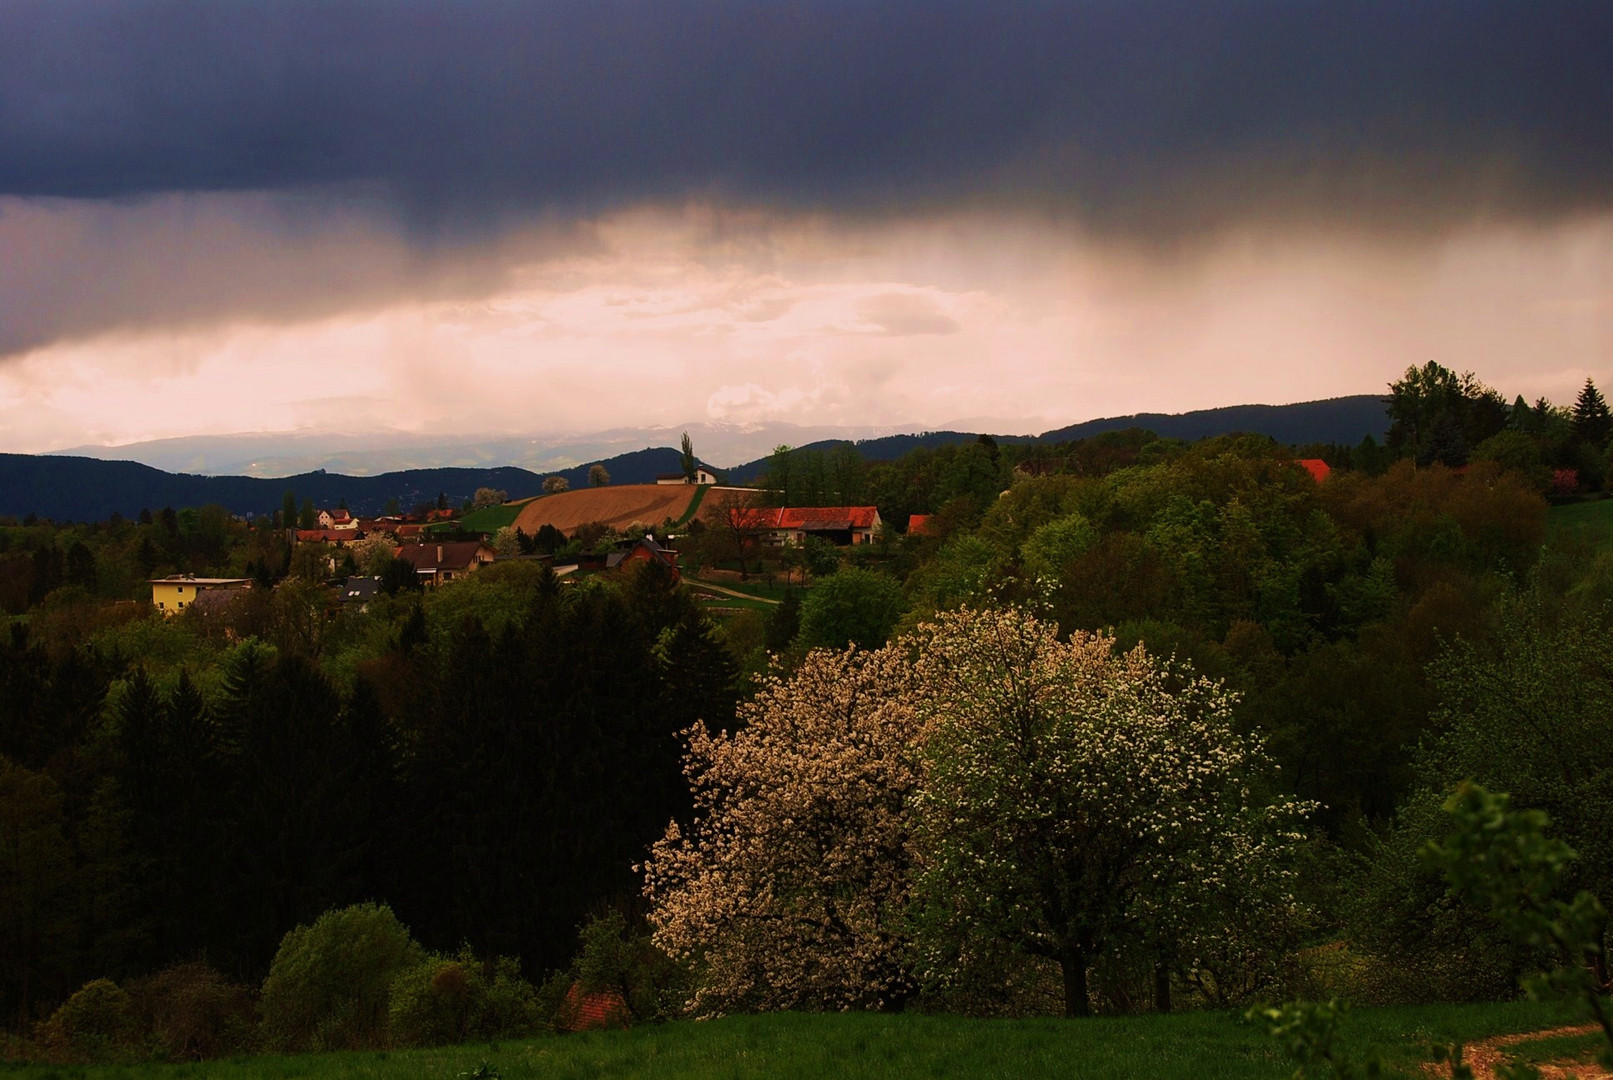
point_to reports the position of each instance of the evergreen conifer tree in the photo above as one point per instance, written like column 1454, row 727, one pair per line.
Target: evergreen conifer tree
column 1592, row 422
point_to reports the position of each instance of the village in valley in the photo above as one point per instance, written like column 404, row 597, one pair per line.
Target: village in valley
column 729, row 533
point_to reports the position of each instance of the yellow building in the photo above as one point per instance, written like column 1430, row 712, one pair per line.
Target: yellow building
column 173, row 594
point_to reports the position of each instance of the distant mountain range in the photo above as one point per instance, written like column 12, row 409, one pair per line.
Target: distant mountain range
column 86, row 488
column 293, row 453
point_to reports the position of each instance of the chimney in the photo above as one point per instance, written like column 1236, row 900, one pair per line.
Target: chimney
column 439, row 554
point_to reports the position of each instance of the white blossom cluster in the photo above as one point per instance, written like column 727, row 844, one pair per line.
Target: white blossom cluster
column 882, row 820
column 1074, row 800
column 790, row 890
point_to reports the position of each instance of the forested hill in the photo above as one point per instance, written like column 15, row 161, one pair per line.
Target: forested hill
column 87, row 489
column 1345, row 420
column 84, row 489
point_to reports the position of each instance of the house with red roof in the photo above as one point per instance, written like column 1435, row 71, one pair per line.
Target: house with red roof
column 840, row 525
column 644, row 549
column 1319, row 469
column 437, row 564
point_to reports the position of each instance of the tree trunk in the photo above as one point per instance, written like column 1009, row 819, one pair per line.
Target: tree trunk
column 1162, row 989
column 1074, row 964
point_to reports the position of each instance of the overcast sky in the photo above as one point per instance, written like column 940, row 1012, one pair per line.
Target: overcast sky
column 541, row 217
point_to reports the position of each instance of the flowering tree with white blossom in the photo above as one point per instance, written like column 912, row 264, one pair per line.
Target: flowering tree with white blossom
column 1073, row 800
column 789, row 890
column 882, row 822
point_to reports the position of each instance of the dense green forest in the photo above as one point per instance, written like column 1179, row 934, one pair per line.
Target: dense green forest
column 1130, row 724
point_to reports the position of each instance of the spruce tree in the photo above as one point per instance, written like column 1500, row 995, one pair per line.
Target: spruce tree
column 1592, row 422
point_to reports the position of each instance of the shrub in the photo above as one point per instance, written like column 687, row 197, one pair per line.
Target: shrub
column 97, row 1023
column 191, row 1012
column 853, row 606
column 615, row 958
column 449, row 1000
column 329, row 984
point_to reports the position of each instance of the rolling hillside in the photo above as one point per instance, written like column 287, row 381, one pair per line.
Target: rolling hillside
column 619, row 505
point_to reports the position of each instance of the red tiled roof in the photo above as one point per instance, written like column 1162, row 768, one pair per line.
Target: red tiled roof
column 808, row 518
column 335, row 536
column 917, row 524
column 601, row 1009
column 1319, row 469
column 450, row 556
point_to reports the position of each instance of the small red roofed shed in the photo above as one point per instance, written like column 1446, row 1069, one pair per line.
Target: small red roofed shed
column 584, row 1011
column 1319, row 469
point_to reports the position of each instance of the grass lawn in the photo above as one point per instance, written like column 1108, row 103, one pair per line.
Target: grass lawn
column 489, row 519
column 711, row 598
column 1191, row 1046
column 694, row 506
column 1557, row 1048
column 1594, row 519
column 759, row 589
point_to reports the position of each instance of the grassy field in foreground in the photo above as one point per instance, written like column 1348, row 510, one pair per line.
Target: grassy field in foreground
column 1594, row 519
column 1192, row 1046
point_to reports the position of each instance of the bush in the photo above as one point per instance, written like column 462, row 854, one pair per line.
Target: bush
column 448, row 1000
column 614, row 958
column 851, row 607
column 96, row 1024
column 329, row 985
column 193, row 1013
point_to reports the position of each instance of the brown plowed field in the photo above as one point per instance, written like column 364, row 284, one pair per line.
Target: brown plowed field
column 618, row 506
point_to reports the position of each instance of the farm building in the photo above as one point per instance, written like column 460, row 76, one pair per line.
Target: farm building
column 702, row 475
column 840, row 525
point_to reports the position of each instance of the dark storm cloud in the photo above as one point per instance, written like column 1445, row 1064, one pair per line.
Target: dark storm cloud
column 1137, row 114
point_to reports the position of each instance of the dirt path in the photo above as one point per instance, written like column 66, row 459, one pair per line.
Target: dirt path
column 730, row 592
column 1486, row 1054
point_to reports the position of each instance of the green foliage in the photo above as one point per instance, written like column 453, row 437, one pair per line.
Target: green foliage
column 1055, row 545
column 97, row 1023
column 613, row 955
column 963, row 570
column 192, row 1013
column 1437, row 415
column 1309, row 1034
column 448, row 1000
column 330, row 983
column 1512, row 449
column 784, row 622
column 1527, row 711
column 881, row 1046
column 820, row 557
column 1044, row 822
column 1502, row 859
column 1592, row 423
column 853, row 606
column 36, row 878
column 686, row 458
